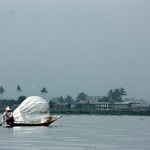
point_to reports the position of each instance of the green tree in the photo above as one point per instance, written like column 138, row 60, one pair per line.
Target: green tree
column 119, row 93
column 61, row 100
column 69, row 100
column 19, row 90
column 103, row 99
column 21, row 99
column 51, row 104
column 110, row 95
column 44, row 91
column 81, row 97
column 2, row 91
column 116, row 95
column 123, row 92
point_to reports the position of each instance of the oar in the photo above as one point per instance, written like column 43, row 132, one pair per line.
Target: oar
column 4, row 121
column 1, row 123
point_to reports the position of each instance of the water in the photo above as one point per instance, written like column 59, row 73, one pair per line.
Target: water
column 81, row 132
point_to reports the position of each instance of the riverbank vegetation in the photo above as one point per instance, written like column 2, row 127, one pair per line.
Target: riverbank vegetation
column 111, row 104
column 96, row 112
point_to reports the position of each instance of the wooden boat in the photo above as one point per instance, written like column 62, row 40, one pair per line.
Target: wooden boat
column 33, row 111
column 47, row 121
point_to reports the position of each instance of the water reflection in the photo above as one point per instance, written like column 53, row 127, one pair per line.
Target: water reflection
column 7, row 131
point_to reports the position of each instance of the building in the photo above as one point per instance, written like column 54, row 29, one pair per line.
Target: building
column 103, row 105
column 122, row 106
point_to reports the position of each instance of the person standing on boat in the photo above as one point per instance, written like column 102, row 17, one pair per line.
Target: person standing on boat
column 8, row 116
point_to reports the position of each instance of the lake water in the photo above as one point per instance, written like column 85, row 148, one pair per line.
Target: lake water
column 81, row 132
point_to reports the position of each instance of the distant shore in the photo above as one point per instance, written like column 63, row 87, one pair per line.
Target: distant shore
column 93, row 112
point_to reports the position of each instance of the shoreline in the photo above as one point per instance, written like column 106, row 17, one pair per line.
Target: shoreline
column 102, row 112
column 91, row 112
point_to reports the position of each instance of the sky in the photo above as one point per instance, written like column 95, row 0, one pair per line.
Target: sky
column 73, row 46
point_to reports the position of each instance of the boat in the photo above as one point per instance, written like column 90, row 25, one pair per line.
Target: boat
column 33, row 111
column 47, row 122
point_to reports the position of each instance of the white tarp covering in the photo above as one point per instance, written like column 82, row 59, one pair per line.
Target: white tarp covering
column 32, row 109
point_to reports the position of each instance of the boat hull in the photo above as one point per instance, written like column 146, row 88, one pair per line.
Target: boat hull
column 48, row 121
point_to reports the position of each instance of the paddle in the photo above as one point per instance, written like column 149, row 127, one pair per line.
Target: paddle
column 4, row 121
column 1, row 123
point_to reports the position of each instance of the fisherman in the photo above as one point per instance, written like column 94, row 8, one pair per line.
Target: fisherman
column 8, row 116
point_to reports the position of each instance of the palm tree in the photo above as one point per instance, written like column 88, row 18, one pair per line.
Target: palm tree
column 123, row 92
column 19, row 90
column 116, row 95
column 2, row 91
column 44, row 91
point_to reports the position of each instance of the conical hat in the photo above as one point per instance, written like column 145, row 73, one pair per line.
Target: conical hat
column 7, row 108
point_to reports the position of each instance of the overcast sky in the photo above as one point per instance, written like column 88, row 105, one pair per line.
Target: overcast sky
column 72, row 46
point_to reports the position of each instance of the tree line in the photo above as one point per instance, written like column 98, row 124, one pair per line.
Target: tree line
column 112, row 96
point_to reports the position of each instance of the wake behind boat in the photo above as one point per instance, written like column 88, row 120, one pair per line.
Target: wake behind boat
column 33, row 111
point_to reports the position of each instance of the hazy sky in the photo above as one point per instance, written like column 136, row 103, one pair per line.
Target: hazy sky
column 72, row 46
